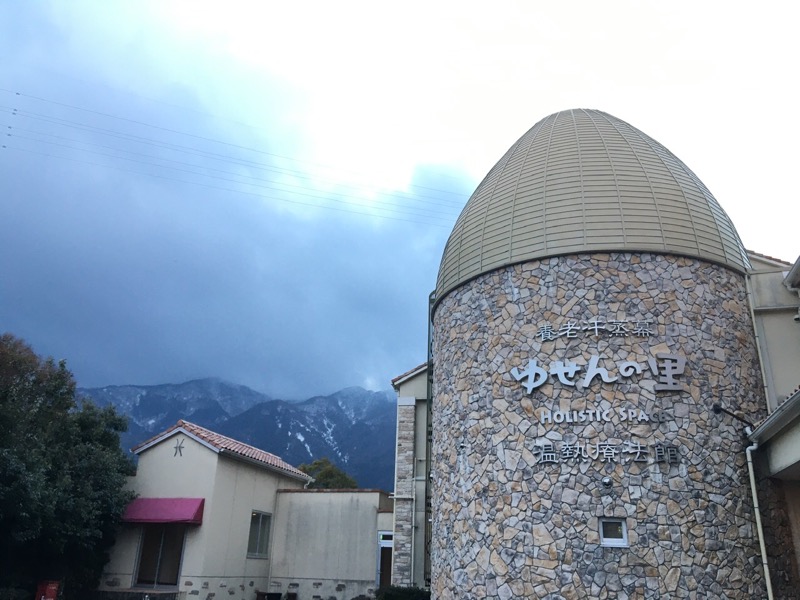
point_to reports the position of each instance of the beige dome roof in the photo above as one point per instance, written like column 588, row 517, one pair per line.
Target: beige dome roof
column 583, row 181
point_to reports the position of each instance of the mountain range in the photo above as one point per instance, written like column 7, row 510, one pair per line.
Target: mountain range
column 353, row 427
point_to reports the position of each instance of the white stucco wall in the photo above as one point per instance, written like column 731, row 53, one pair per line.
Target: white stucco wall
column 238, row 489
column 326, row 542
column 215, row 553
column 119, row 571
column 163, row 472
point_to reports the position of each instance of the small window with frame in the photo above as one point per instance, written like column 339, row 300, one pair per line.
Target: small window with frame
column 613, row 533
column 258, row 542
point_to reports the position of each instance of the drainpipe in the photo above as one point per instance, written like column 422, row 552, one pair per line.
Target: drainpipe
column 749, row 451
column 414, row 496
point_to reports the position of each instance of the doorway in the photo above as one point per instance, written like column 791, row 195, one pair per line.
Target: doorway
column 385, row 546
column 160, row 554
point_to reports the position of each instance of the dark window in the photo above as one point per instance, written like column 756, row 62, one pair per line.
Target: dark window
column 613, row 532
column 258, row 544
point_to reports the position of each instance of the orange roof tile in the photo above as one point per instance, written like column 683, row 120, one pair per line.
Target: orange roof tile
column 779, row 260
column 413, row 371
column 226, row 445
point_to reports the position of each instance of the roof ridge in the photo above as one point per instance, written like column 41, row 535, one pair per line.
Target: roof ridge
column 409, row 372
column 767, row 256
column 231, row 446
column 226, row 438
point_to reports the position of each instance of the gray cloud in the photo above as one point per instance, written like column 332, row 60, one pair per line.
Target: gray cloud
column 140, row 270
column 164, row 214
column 135, row 280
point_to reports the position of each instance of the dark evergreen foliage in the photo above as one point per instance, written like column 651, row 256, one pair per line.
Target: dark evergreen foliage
column 393, row 592
column 328, row 476
column 62, row 474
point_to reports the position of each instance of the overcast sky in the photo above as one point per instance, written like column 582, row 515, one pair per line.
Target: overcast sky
column 262, row 191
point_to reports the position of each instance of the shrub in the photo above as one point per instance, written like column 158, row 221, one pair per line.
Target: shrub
column 394, row 592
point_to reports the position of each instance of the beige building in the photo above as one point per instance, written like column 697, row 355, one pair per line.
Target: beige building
column 601, row 348
column 776, row 439
column 217, row 518
column 412, row 529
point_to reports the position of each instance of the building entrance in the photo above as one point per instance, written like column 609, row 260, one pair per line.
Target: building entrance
column 160, row 555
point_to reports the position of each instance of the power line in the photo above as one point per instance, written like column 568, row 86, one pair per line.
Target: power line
column 392, row 206
column 191, row 135
column 380, row 204
column 13, row 133
column 215, row 156
column 236, row 191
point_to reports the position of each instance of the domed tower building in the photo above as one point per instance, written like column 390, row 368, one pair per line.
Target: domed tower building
column 591, row 309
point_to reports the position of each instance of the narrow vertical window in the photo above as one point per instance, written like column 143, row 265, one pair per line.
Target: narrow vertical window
column 258, row 543
column 613, row 532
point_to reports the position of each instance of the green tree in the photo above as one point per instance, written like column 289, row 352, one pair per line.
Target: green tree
column 62, row 475
column 328, row 476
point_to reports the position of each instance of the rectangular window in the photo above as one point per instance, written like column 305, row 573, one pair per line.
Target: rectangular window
column 613, row 532
column 258, row 542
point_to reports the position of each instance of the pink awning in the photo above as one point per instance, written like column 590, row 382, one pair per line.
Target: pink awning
column 165, row 510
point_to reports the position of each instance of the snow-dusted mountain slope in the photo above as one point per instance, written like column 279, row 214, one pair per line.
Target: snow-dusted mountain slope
column 353, row 427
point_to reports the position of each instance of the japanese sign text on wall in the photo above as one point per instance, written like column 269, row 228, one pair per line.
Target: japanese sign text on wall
column 666, row 367
column 663, row 368
column 632, row 450
column 596, row 327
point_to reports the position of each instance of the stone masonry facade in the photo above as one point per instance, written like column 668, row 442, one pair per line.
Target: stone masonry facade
column 404, row 494
column 573, row 389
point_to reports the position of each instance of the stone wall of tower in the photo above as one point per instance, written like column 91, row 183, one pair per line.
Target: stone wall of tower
column 525, row 431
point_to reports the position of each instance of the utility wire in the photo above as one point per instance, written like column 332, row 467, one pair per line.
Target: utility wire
column 13, row 132
column 378, row 199
column 195, row 136
column 225, row 189
column 211, row 155
column 430, row 214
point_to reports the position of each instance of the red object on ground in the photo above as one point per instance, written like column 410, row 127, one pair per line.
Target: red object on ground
column 47, row 590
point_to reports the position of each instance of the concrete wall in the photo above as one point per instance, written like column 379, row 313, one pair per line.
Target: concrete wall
column 385, row 519
column 524, row 465
column 775, row 308
column 119, row 571
column 783, row 454
column 239, row 488
column 414, row 387
column 328, row 542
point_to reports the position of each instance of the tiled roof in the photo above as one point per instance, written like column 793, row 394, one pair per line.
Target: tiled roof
column 779, row 260
column 226, row 445
column 414, row 371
